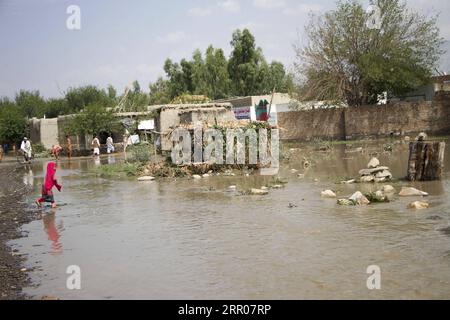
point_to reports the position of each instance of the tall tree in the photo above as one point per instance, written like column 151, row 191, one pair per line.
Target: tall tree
column 216, row 74
column 244, row 63
column 353, row 55
column 159, row 92
column 12, row 123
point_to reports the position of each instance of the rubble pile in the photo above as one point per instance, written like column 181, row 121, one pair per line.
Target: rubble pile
column 375, row 172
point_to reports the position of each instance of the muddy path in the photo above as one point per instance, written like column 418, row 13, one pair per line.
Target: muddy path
column 13, row 214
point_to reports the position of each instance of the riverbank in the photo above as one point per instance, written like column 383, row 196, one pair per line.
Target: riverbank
column 13, row 215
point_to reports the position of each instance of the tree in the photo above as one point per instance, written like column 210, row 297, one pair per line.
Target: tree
column 159, row 92
column 177, row 84
column 30, row 103
column 94, row 119
column 12, row 122
column 55, row 107
column 136, row 100
column 79, row 98
column 216, row 74
column 244, row 63
column 349, row 58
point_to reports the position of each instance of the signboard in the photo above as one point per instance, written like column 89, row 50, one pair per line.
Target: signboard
column 147, row 125
column 242, row 113
column 134, row 139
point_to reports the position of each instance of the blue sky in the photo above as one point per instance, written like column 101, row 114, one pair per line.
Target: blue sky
column 121, row 41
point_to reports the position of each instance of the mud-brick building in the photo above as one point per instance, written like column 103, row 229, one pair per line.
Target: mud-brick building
column 169, row 117
column 166, row 118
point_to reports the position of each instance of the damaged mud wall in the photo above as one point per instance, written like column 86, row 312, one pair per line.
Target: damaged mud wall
column 310, row 124
column 400, row 118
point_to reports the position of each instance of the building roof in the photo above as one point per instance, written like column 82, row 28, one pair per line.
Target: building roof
column 191, row 107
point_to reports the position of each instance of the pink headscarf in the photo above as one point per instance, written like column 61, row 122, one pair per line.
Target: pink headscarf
column 50, row 180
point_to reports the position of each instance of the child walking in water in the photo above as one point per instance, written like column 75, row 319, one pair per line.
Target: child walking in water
column 49, row 183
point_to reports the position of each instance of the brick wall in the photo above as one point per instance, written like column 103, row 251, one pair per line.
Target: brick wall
column 366, row 121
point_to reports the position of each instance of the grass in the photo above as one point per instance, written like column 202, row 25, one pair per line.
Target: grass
column 118, row 170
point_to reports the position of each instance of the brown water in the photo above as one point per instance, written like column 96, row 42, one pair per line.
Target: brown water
column 189, row 239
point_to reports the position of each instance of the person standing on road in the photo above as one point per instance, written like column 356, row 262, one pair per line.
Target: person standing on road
column 25, row 147
column 96, row 146
column 69, row 146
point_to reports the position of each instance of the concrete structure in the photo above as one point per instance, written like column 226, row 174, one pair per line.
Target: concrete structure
column 44, row 131
column 427, row 92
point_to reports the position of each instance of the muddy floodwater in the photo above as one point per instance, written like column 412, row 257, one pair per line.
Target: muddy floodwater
column 196, row 239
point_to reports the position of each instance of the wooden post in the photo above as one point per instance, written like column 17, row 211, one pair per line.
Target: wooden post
column 426, row 161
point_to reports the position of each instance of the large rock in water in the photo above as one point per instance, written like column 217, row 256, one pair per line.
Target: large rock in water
column 359, row 198
column 259, row 192
column 366, row 178
column 388, row 189
column 384, row 174
column 328, row 194
column 146, row 178
column 410, row 192
column 373, row 163
column 418, row 205
column 366, row 172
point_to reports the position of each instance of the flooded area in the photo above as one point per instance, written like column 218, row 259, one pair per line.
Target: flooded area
column 196, row 239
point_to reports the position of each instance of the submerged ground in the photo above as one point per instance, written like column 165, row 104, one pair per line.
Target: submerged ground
column 196, row 239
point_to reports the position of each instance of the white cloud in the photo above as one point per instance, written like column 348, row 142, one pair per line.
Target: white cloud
column 303, row 9
column 230, row 5
column 173, row 37
column 269, row 4
column 252, row 26
column 199, row 12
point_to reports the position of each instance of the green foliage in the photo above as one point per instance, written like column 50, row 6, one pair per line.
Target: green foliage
column 159, row 92
column 12, row 122
column 39, row 148
column 135, row 100
column 140, row 153
column 190, row 99
column 348, row 60
column 118, row 170
column 30, row 103
column 94, row 119
column 79, row 98
column 211, row 75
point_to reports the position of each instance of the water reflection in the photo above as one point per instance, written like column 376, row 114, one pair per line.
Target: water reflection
column 53, row 232
column 28, row 178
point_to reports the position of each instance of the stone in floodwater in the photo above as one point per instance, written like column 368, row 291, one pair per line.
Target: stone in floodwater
column 259, row 192
column 146, row 178
column 373, row 163
column 408, row 192
column 328, row 194
column 359, row 198
column 366, row 179
column 388, row 189
column 418, row 205
column 196, row 176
